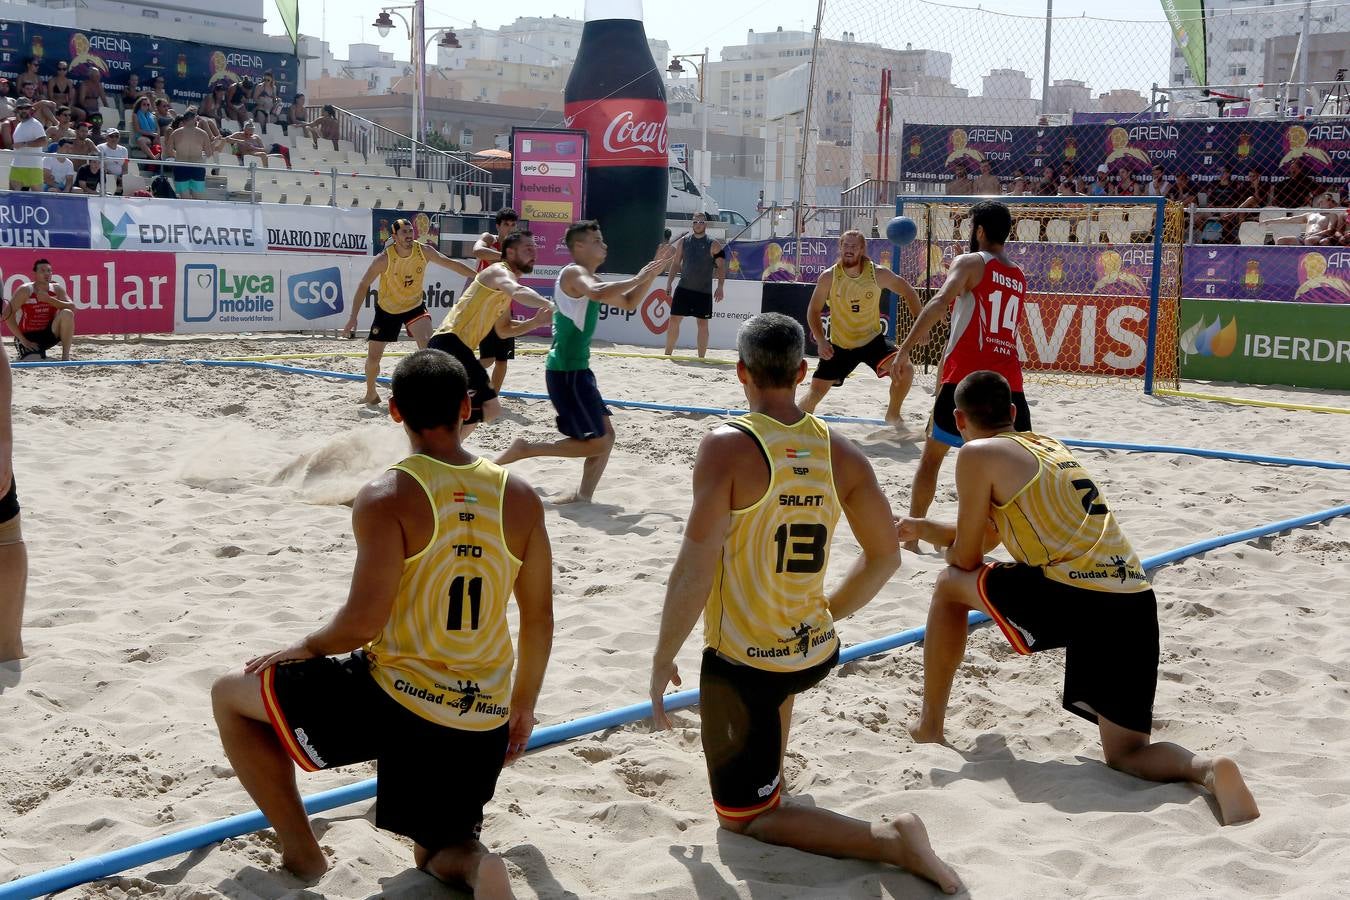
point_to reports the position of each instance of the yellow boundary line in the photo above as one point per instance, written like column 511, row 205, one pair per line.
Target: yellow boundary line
column 1241, row 401
column 525, row 350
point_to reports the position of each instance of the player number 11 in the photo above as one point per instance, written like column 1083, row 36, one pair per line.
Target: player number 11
column 1009, row 311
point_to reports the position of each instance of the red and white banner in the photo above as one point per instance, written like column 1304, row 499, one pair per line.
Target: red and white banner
column 113, row 292
column 623, row 131
column 1084, row 334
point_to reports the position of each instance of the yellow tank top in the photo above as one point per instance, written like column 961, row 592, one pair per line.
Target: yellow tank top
column 476, row 312
column 401, row 283
column 855, row 306
column 1059, row 521
column 767, row 606
column 446, row 652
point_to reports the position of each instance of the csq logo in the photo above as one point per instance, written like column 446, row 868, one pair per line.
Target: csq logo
column 317, row 294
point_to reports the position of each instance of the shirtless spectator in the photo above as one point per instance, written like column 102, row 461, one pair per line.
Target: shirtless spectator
column 157, row 91
column 293, row 115
column 213, row 105
column 90, row 98
column 189, row 144
column 1297, row 189
column 1321, row 227
column 62, row 127
column 60, row 89
column 28, row 76
column 132, row 92
column 6, row 101
column 83, row 145
column 246, row 143
column 265, row 100
column 325, row 126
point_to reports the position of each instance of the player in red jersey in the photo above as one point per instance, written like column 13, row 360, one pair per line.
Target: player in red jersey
column 988, row 292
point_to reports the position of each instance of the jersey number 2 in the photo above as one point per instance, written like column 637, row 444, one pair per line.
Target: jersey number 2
column 1089, row 498
column 801, row 547
column 455, row 620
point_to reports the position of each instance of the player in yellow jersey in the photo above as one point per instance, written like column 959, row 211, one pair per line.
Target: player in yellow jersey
column 852, row 289
column 1077, row 584
column 442, row 540
column 768, row 490
column 398, row 303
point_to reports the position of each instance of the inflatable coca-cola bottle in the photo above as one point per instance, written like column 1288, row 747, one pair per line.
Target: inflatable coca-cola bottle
column 616, row 93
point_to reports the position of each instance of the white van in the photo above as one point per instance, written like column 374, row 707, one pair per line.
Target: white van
column 684, row 197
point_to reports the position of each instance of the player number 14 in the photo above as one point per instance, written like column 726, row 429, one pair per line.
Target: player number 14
column 1009, row 312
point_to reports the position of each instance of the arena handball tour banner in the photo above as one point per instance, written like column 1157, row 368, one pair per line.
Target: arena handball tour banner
column 931, row 153
column 188, row 68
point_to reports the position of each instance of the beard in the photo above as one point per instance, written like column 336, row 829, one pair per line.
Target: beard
column 523, row 268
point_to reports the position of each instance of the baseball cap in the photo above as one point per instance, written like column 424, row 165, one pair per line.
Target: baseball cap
column 22, row 103
column 109, row 132
column 1103, row 168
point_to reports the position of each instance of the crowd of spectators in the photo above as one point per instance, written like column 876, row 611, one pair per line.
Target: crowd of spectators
column 1215, row 208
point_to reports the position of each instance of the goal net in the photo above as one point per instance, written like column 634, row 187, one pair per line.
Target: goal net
column 1103, row 284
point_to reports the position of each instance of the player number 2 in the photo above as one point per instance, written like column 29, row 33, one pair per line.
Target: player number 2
column 455, row 620
column 1089, row 498
column 1009, row 311
column 801, row 547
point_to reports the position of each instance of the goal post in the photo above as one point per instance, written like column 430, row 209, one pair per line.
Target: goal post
column 1103, row 282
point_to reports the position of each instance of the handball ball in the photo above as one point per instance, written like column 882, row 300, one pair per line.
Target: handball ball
column 901, row 230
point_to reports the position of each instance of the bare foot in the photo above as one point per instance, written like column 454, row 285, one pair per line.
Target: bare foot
column 926, row 734
column 1236, row 803
column 910, row 547
column 913, row 852
column 512, row 453
column 566, row 499
column 492, row 881
column 307, row 864
column 369, row 400
column 12, row 654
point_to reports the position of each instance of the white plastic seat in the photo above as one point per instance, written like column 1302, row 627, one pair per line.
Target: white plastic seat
column 1111, row 223
column 1028, row 229
column 1057, row 231
column 1252, row 233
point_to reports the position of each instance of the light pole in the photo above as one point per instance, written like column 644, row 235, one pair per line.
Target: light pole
column 676, row 69
column 416, row 30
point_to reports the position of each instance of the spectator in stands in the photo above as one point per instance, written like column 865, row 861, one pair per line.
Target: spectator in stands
column 1225, row 193
column 114, row 155
column 6, row 101
column 28, row 76
column 161, row 187
column 1158, row 186
column 246, row 143
column 1183, row 191
column 1323, row 226
column 90, row 98
column 89, row 177
column 62, row 127
column 1101, row 185
column 58, row 172
column 293, row 115
column 987, row 183
column 147, row 128
column 25, row 171
column 1048, row 186
column 1257, row 192
column 157, row 91
column 326, row 127
column 1066, row 188
column 132, row 92
column 234, row 104
column 83, row 145
column 213, row 106
column 265, row 100
column 247, row 102
column 1297, row 189
column 1018, row 187
column 189, row 144
column 163, row 116
column 1125, row 185
column 961, row 185
column 60, row 89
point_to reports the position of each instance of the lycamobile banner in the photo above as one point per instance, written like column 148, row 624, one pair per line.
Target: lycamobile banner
column 1187, row 18
column 1305, row 345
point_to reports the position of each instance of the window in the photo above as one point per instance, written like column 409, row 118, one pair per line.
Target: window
column 1241, row 44
column 1235, row 69
column 150, row 13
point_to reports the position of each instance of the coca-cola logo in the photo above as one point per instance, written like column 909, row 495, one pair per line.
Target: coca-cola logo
column 625, row 132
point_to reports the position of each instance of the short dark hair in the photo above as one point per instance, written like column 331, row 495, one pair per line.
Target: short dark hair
column 507, row 215
column 429, row 389
column 400, row 223
column 63, row 110
column 1158, row 167
column 771, row 345
column 996, row 219
column 577, row 229
column 41, row 262
column 327, row 108
column 516, row 237
column 986, row 399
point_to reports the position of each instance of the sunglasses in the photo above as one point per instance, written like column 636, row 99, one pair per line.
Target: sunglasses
column 61, row 68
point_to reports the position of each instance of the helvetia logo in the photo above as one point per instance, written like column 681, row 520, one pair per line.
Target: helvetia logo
column 1210, row 340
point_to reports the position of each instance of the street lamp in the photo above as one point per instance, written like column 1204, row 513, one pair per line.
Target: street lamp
column 676, row 69
column 416, row 30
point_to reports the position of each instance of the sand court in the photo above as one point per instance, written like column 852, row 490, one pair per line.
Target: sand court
column 181, row 519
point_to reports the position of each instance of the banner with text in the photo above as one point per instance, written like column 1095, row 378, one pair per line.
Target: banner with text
column 170, row 226
column 646, row 326
column 113, row 293
column 426, row 227
column 187, row 67
column 316, row 229
column 1262, row 343
column 43, row 221
column 548, row 187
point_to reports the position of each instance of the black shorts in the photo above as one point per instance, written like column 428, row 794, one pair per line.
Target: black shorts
column 45, row 340
column 480, row 386
column 9, row 504
column 742, row 732
column 182, row 174
column 876, row 354
column 433, row 780
column 576, row 399
column 494, row 347
column 692, row 303
column 1111, row 640
column 942, row 425
column 387, row 326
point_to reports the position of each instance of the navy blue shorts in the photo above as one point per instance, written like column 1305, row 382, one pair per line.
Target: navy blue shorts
column 581, row 411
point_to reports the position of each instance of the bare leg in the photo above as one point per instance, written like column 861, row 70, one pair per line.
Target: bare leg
column 702, row 338
column 64, row 326
column 1132, row 753
column 499, row 375
column 673, row 334
column 265, row 770
column 924, row 488
column 421, row 331
column 374, row 353
column 467, row 864
column 902, row 378
column 13, row 589
column 595, row 451
column 815, row 393
column 944, row 646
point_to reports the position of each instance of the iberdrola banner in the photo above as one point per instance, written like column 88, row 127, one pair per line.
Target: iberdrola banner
column 1187, row 18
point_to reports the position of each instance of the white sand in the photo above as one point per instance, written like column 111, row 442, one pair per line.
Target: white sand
column 181, row 520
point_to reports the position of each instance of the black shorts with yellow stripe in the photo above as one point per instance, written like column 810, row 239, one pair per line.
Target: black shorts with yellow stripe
column 742, row 733
column 1110, row 639
column 433, row 780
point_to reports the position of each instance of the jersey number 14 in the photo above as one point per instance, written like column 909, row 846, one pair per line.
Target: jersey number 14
column 1010, row 310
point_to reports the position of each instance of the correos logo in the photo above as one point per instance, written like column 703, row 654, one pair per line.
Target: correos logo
column 317, row 294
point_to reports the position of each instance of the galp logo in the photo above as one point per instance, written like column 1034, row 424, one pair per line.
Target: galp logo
column 1210, row 340
column 656, row 311
column 115, row 235
column 317, row 294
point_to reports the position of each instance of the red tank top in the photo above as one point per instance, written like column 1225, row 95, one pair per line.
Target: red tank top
column 484, row 263
column 985, row 322
column 35, row 315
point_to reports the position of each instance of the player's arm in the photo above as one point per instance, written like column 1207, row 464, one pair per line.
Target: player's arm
column 964, row 275
column 58, row 297
column 869, row 515
column 483, row 249
column 437, row 258
column 901, row 288
column 719, row 268
column 691, row 579
column 373, row 271
column 507, row 327
column 499, row 278
column 975, row 467
column 528, row 540
column 580, row 283
column 674, row 267
column 815, row 314
column 6, row 419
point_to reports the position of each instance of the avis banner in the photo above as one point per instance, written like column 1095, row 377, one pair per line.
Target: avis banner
column 113, row 293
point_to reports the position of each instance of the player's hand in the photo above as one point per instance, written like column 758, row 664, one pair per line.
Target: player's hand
column 901, row 367
column 662, row 674
column 349, row 331
column 719, row 294
column 907, row 529
column 665, row 253
column 268, row 660
column 519, row 728
column 542, row 318
column 824, row 349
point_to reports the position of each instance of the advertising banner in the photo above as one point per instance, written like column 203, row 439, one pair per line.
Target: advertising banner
column 646, row 326
column 548, row 187
column 188, row 68
column 1237, row 272
column 1265, row 343
column 43, row 221
column 426, row 227
column 316, row 229
column 169, row 226
column 929, row 153
column 113, row 293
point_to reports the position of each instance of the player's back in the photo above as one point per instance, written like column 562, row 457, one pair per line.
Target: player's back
column 984, row 325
